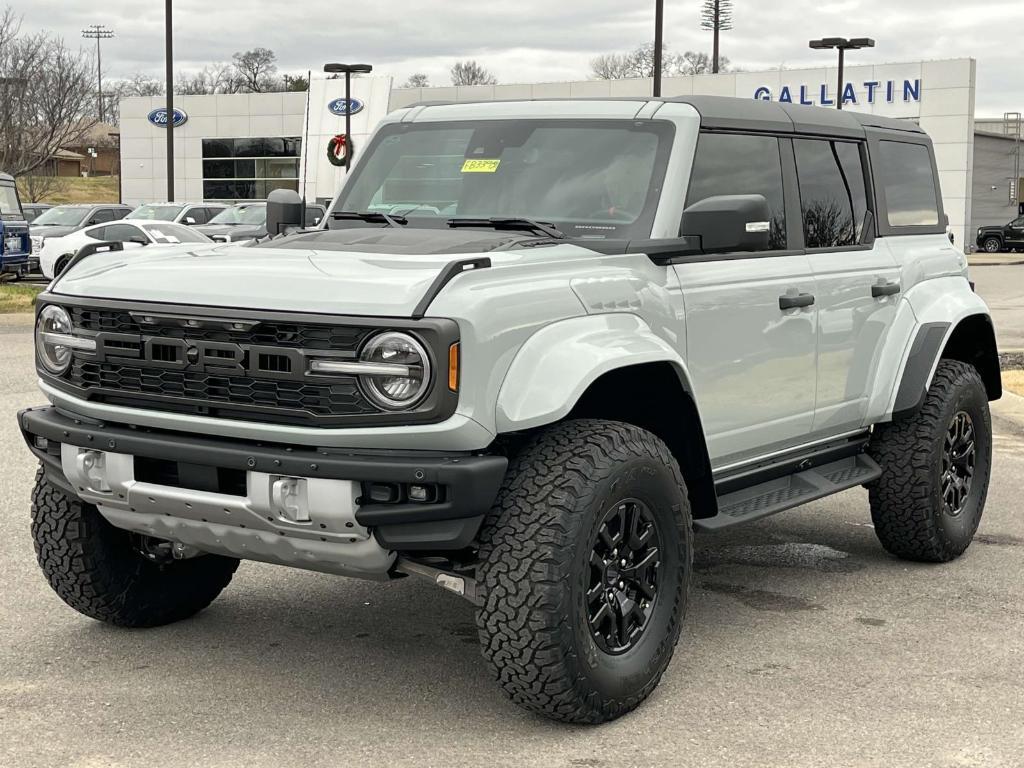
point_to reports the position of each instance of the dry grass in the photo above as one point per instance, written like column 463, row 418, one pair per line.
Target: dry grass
column 1014, row 381
column 100, row 189
column 17, row 297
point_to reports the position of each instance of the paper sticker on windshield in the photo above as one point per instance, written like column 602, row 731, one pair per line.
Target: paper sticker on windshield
column 480, row 166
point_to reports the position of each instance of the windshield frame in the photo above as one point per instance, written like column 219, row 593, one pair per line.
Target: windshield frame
column 641, row 227
column 83, row 212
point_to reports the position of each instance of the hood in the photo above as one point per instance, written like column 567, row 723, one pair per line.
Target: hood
column 374, row 272
column 50, row 230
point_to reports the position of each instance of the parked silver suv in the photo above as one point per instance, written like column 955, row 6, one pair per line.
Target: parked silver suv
column 533, row 348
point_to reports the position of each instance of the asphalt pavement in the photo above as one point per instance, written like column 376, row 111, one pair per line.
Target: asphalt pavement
column 1002, row 288
column 805, row 645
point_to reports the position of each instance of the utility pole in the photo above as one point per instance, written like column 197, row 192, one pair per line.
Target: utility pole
column 659, row 43
column 169, row 55
column 843, row 45
column 98, row 32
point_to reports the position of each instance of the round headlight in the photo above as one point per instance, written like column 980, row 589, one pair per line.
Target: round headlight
column 411, row 379
column 54, row 357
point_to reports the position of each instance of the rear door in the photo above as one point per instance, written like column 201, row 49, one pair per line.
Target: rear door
column 857, row 279
column 751, row 355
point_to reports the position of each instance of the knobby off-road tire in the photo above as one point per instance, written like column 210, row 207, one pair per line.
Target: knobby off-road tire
column 912, row 518
column 95, row 568
column 559, row 506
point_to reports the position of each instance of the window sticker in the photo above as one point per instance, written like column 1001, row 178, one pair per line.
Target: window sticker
column 481, row 166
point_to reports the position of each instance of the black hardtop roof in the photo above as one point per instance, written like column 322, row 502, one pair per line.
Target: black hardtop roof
column 730, row 112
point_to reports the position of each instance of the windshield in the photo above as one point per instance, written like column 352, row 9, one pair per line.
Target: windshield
column 590, row 178
column 61, row 217
column 9, row 205
column 155, row 212
column 242, row 214
column 175, row 233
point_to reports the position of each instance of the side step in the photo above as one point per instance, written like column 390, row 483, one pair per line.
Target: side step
column 784, row 493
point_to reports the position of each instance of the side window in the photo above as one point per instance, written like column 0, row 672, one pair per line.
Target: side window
column 122, row 233
column 313, row 215
column 118, row 213
column 833, row 199
column 734, row 164
column 102, row 214
column 100, row 233
column 905, row 173
column 1019, row 223
column 199, row 214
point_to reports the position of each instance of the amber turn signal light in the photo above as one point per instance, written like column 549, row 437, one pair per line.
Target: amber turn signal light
column 453, row 367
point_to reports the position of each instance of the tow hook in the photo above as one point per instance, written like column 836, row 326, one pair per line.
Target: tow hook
column 461, row 584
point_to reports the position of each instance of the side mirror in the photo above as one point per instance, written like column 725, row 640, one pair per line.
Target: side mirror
column 285, row 210
column 727, row 223
column 138, row 240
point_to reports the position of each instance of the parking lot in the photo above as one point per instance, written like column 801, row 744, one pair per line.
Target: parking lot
column 805, row 645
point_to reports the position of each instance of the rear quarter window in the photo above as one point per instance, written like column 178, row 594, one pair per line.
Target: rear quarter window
column 911, row 193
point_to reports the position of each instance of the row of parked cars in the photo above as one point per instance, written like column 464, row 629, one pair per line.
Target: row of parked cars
column 50, row 235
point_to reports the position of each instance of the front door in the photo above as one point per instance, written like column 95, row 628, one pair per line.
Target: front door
column 751, row 320
column 1015, row 233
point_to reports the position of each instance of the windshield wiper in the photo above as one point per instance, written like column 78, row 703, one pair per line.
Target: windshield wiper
column 376, row 217
column 515, row 222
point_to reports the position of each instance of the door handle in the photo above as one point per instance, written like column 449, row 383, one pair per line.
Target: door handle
column 796, row 302
column 885, row 289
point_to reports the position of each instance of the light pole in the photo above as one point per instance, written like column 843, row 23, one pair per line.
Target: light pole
column 169, row 56
column 98, row 32
column 843, row 45
column 659, row 42
column 348, row 70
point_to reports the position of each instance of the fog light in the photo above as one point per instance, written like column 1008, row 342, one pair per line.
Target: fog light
column 423, row 494
column 42, row 443
column 418, row 492
column 383, row 493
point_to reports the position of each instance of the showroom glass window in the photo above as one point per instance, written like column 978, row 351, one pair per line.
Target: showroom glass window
column 905, row 173
column 249, row 169
column 833, row 198
column 735, row 164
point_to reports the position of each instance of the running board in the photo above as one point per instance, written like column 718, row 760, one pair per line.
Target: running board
column 784, row 493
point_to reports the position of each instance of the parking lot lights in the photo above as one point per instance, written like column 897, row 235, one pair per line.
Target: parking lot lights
column 843, row 45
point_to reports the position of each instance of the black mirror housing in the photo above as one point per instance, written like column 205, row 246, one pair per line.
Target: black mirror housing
column 285, row 211
column 727, row 223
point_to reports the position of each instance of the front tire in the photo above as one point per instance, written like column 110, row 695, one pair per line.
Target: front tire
column 936, row 466
column 992, row 245
column 96, row 569
column 586, row 566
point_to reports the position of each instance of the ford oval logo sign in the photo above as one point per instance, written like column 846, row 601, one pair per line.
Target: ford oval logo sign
column 337, row 107
column 158, row 117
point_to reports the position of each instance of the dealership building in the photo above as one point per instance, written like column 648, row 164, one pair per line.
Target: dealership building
column 242, row 146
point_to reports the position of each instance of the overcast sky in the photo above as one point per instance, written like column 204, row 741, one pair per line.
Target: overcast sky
column 545, row 40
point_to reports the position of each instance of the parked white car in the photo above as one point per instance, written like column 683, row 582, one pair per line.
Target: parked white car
column 58, row 251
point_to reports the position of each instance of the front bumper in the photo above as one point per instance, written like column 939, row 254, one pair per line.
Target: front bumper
column 224, row 495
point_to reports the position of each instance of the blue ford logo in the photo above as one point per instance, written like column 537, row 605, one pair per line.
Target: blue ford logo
column 158, row 117
column 337, row 107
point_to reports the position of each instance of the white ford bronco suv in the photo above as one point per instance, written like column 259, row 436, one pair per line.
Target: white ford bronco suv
column 532, row 349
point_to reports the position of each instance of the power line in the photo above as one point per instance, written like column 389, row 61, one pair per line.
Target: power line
column 98, row 32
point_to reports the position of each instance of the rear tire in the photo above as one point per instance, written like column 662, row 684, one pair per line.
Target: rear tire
column 591, row 512
column 928, row 503
column 992, row 245
column 94, row 567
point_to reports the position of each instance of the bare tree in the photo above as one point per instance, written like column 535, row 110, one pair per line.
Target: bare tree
column 716, row 16
column 470, row 73
column 219, row 77
column 138, row 84
column 639, row 62
column 417, row 80
column 48, row 95
column 257, row 70
column 36, row 188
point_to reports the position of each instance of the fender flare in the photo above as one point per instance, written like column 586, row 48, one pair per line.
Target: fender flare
column 939, row 319
column 556, row 365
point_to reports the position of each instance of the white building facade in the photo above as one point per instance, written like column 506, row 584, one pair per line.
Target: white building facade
column 238, row 147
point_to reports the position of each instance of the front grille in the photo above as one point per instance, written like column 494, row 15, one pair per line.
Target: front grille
column 236, row 364
column 271, row 333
